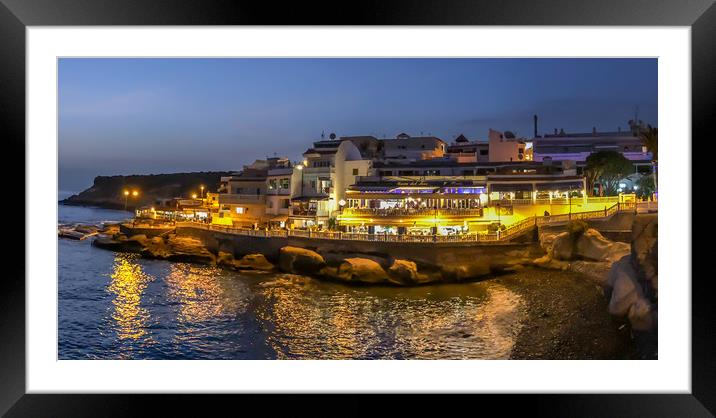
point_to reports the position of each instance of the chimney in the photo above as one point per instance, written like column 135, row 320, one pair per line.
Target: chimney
column 561, row 131
column 555, row 131
column 535, row 119
column 594, row 130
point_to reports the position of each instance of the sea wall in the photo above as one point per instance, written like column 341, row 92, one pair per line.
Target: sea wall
column 496, row 255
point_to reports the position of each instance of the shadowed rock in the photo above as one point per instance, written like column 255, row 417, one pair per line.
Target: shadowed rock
column 300, row 260
column 362, row 270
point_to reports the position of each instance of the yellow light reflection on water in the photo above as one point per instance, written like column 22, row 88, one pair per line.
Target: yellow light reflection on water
column 128, row 284
column 198, row 292
column 362, row 322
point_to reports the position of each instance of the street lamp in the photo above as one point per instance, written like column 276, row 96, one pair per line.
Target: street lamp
column 300, row 168
column 193, row 196
column 202, row 191
column 135, row 193
column 126, row 195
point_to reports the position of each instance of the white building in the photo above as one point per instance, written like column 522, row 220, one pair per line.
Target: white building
column 329, row 167
column 407, row 148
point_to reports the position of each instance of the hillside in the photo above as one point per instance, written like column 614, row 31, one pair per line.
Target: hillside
column 108, row 191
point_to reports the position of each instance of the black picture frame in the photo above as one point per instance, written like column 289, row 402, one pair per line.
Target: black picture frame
column 15, row 15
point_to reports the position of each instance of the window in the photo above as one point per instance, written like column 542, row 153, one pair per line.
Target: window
column 240, row 210
column 272, row 184
column 386, row 173
column 285, row 183
column 355, row 171
column 269, row 204
column 238, row 190
column 483, row 152
column 284, row 203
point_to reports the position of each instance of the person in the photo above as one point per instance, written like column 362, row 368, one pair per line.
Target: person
column 546, row 213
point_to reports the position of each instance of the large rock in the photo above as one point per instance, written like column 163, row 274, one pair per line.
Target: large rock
column 591, row 245
column 546, row 240
column 625, row 288
column 300, row 260
column 548, row 262
column 254, row 262
column 405, row 272
column 467, row 269
column 563, row 247
column 188, row 249
column 362, row 270
column 644, row 250
column 642, row 315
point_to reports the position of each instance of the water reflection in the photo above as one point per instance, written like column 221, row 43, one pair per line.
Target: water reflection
column 198, row 292
column 128, row 284
column 308, row 319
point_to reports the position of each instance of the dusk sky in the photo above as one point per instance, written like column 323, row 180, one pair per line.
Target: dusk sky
column 141, row 116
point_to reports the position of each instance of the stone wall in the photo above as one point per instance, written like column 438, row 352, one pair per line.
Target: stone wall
column 496, row 255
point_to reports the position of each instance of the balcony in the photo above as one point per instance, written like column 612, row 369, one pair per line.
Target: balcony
column 400, row 212
column 308, row 213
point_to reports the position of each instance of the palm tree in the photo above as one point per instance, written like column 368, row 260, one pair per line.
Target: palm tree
column 649, row 137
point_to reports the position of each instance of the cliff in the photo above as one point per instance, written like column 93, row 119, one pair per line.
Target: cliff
column 107, row 191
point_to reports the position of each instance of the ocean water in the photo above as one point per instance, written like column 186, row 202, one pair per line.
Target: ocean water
column 120, row 306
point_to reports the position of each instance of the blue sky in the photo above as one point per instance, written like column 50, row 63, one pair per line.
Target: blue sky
column 140, row 116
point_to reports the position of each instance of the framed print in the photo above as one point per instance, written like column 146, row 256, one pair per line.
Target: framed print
column 451, row 198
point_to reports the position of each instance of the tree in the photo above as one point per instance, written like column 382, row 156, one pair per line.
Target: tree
column 649, row 137
column 607, row 168
column 645, row 186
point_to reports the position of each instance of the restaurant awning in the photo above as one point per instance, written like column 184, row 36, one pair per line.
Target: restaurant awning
column 279, row 218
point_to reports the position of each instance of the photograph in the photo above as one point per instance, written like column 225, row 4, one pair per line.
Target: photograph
column 357, row 208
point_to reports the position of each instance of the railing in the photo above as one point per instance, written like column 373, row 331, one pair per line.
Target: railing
column 504, row 235
column 298, row 212
column 412, row 212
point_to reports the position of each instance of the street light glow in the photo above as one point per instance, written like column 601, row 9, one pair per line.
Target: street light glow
column 135, row 193
column 126, row 192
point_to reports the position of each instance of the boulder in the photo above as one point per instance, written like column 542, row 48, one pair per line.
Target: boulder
column 86, row 229
column 110, row 229
column 595, row 270
column 644, row 250
column 468, row 269
column 642, row 316
column 254, row 262
column 188, row 249
column 546, row 240
column 625, row 288
column 362, row 270
column 225, row 259
column 591, row 245
column 140, row 238
column 405, row 272
column 563, row 247
column 300, row 260
column 548, row 262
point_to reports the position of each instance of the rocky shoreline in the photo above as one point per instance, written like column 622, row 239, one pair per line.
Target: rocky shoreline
column 624, row 274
